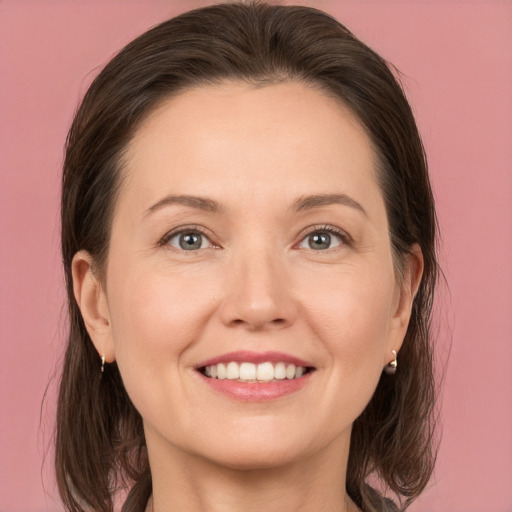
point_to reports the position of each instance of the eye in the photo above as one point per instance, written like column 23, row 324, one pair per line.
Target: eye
column 323, row 239
column 189, row 240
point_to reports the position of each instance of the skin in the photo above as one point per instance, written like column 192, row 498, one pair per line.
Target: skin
column 256, row 284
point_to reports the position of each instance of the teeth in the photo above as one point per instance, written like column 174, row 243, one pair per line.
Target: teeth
column 247, row 371
column 265, row 372
column 290, row 371
column 221, row 371
column 250, row 372
column 280, row 371
column 232, row 371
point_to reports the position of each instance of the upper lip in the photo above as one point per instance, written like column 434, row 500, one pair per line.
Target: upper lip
column 247, row 356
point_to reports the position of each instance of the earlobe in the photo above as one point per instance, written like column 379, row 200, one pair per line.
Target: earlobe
column 92, row 301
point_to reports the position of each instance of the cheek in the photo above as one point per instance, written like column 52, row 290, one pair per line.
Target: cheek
column 353, row 306
column 350, row 319
column 154, row 308
column 155, row 318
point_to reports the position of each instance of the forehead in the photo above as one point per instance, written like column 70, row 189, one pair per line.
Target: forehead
column 233, row 135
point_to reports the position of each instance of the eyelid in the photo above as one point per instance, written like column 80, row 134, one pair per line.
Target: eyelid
column 187, row 229
column 345, row 238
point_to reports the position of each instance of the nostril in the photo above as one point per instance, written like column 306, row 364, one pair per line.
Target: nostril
column 257, row 312
column 255, row 324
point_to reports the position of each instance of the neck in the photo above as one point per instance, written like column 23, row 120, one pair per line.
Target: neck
column 182, row 481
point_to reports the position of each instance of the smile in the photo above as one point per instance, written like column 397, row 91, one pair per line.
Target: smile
column 251, row 372
column 255, row 377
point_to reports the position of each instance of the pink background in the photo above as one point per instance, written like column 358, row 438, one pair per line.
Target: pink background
column 457, row 58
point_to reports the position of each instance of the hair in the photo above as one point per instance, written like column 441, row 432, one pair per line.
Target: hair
column 100, row 445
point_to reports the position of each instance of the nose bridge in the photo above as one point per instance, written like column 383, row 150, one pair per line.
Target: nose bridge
column 257, row 293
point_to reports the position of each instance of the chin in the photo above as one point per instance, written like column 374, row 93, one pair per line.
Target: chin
column 263, row 449
column 257, row 458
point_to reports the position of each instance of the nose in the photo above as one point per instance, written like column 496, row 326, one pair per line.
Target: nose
column 258, row 293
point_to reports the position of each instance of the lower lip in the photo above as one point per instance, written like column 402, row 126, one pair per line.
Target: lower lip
column 256, row 391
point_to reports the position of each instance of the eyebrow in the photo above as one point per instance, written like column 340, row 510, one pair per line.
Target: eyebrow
column 200, row 203
column 317, row 201
column 302, row 203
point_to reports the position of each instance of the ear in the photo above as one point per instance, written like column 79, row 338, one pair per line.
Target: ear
column 92, row 301
column 405, row 293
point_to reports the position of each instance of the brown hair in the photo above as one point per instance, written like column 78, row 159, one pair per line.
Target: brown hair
column 100, row 446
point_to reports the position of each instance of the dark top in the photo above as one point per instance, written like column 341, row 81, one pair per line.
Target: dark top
column 379, row 503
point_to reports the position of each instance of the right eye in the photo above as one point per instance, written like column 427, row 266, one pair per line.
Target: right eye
column 190, row 240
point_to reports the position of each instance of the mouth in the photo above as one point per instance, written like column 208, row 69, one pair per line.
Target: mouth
column 246, row 371
column 250, row 376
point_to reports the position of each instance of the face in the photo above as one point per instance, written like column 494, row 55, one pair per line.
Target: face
column 250, row 236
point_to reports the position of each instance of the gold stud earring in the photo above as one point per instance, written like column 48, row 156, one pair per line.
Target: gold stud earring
column 391, row 367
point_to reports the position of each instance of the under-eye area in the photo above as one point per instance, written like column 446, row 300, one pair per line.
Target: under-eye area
column 251, row 372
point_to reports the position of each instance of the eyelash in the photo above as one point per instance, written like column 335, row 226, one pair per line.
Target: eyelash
column 344, row 238
column 187, row 229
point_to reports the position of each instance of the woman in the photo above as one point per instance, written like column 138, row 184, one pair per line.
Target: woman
column 248, row 236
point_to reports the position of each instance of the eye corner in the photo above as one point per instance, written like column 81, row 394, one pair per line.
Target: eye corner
column 205, row 239
column 326, row 234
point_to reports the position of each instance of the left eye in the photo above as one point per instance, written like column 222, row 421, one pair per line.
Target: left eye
column 189, row 241
column 321, row 240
